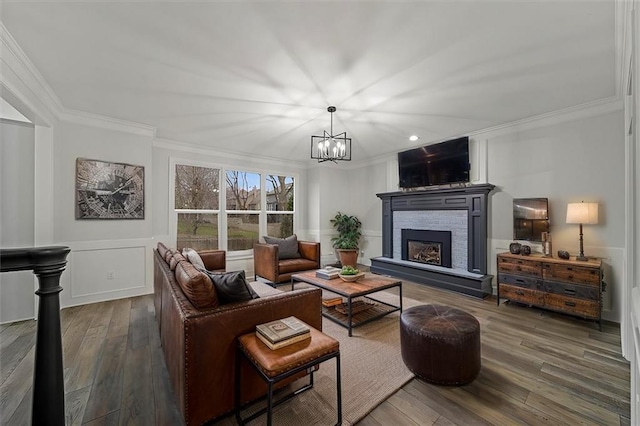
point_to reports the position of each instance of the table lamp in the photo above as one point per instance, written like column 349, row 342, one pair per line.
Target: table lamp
column 582, row 213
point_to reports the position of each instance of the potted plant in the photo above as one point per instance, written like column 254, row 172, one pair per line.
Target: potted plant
column 346, row 242
column 350, row 274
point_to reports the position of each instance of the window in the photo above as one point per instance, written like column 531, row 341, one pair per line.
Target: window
column 231, row 215
column 197, row 205
column 279, row 206
column 244, row 200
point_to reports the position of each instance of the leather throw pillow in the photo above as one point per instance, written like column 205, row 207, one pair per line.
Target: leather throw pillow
column 287, row 247
column 231, row 286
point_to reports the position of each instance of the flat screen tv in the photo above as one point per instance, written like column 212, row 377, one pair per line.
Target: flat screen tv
column 438, row 164
column 530, row 218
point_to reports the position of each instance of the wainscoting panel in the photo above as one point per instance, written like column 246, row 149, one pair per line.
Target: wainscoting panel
column 105, row 270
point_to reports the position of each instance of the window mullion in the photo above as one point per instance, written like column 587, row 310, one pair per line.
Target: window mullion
column 222, row 217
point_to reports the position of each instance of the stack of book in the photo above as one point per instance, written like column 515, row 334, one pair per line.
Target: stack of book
column 332, row 302
column 328, row 273
column 283, row 332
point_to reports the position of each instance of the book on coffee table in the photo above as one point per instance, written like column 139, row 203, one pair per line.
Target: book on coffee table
column 283, row 329
column 328, row 273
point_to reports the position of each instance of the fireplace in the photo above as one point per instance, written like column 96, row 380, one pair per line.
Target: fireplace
column 459, row 210
column 427, row 246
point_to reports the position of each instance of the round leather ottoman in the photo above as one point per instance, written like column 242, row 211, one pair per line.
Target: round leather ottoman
column 440, row 344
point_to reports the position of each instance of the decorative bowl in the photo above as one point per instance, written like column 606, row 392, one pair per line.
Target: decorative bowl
column 351, row 278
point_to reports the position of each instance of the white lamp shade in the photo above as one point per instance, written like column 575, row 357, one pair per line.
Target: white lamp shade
column 585, row 213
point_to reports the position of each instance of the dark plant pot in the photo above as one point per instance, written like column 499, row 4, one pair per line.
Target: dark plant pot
column 514, row 248
column 525, row 250
column 348, row 257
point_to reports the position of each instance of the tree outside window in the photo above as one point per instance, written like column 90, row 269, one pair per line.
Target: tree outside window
column 279, row 199
column 243, row 195
column 198, row 209
column 197, row 204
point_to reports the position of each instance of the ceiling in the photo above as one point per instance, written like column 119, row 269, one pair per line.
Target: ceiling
column 257, row 76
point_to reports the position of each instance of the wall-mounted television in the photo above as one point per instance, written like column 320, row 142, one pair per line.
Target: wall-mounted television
column 438, row 164
column 530, row 218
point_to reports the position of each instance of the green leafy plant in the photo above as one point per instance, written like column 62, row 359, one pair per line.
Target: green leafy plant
column 349, row 231
column 349, row 270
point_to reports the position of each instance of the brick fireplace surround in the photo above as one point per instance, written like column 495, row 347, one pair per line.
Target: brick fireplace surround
column 461, row 210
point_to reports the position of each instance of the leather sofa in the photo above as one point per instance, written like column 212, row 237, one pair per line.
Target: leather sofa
column 268, row 265
column 199, row 336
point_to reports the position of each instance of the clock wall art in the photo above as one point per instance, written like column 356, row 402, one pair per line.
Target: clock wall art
column 107, row 190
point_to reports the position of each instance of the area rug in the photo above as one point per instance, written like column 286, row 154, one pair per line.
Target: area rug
column 372, row 370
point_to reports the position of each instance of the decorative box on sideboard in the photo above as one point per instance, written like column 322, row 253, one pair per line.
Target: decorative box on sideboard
column 568, row 286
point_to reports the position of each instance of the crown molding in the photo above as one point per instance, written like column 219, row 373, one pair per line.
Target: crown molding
column 23, row 74
column 105, row 122
column 578, row 112
column 222, row 155
column 24, row 85
column 623, row 10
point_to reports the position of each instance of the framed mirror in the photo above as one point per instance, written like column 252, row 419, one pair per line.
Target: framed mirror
column 530, row 218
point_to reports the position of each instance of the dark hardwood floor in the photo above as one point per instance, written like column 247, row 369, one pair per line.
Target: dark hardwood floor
column 537, row 368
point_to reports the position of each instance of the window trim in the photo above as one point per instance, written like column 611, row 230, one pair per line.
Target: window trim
column 222, row 212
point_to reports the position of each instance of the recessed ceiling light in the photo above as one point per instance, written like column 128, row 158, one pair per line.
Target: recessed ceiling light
column 413, row 138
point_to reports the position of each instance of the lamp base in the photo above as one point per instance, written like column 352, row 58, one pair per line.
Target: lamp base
column 581, row 256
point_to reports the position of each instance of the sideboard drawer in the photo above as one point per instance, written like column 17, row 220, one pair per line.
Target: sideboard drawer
column 580, row 307
column 572, row 274
column 561, row 285
column 522, row 295
column 521, row 281
column 580, row 291
column 525, row 266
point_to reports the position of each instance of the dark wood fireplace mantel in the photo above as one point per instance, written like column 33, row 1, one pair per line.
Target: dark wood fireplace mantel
column 473, row 199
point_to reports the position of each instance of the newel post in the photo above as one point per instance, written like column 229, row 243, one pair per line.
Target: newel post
column 47, row 264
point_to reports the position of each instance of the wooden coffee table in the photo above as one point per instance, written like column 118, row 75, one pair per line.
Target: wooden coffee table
column 363, row 288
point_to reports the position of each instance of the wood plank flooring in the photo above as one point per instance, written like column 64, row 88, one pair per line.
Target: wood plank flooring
column 537, row 368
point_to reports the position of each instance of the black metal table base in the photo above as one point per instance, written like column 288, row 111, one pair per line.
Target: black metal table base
column 349, row 323
column 271, row 381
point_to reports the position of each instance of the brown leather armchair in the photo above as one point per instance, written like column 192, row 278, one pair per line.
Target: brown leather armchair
column 267, row 264
column 214, row 260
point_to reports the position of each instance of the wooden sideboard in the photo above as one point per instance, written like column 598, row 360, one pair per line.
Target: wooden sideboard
column 569, row 286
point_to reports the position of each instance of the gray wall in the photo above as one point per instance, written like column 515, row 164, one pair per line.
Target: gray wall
column 17, row 144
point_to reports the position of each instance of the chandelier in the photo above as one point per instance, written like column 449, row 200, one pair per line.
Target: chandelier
column 330, row 147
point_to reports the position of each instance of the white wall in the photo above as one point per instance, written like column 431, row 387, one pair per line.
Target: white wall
column 630, row 326
column 329, row 192
column 564, row 158
column 17, row 144
column 109, row 259
column 365, row 183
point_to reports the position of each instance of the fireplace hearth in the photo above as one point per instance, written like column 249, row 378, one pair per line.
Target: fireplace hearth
column 427, row 246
